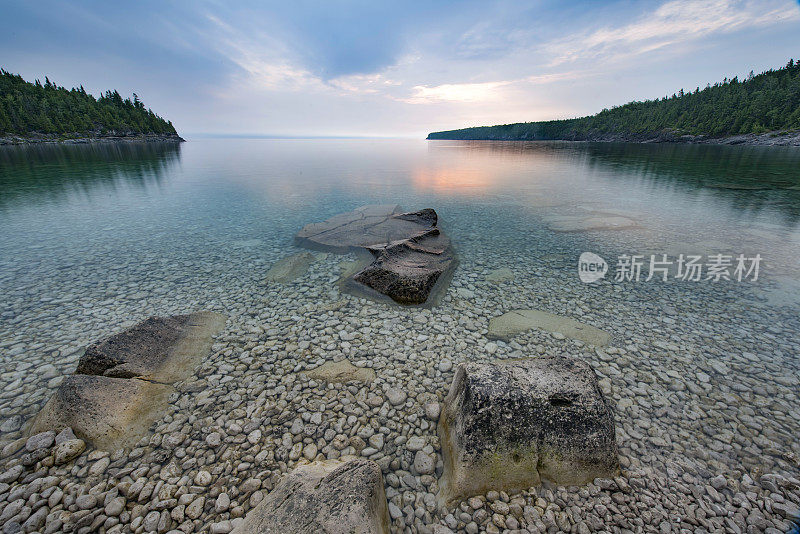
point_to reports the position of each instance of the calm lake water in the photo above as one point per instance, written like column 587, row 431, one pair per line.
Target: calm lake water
column 95, row 238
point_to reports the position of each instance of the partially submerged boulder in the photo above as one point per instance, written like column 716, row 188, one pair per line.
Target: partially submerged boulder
column 290, row 268
column 408, row 271
column 159, row 349
column 508, row 325
column 331, row 497
column 410, row 255
column 122, row 383
column 105, row 411
column 505, row 426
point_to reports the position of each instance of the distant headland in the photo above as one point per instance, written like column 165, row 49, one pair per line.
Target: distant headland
column 48, row 113
column 762, row 109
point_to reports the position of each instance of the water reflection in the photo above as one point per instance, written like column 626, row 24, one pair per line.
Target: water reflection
column 49, row 173
column 451, row 180
column 748, row 179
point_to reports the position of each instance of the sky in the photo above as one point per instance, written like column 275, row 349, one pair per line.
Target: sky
column 381, row 68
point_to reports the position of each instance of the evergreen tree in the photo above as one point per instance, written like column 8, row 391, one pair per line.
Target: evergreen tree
column 28, row 109
column 766, row 102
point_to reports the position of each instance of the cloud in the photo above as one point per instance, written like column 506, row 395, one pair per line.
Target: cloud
column 346, row 37
column 674, row 22
column 456, row 92
column 480, row 92
column 359, row 66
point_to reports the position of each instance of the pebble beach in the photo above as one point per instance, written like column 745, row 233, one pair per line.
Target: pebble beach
column 702, row 377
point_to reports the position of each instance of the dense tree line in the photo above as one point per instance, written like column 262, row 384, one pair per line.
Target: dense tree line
column 767, row 102
column 36, row 109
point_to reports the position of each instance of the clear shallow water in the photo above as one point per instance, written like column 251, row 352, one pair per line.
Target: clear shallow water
column 95, row 238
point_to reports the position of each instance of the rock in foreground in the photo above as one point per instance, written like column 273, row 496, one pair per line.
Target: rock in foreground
column 331, row 497
column 107, row 412
column 410, row 254
column 505, row 426
column 515, row 322
column 160, row 349
column 122, row 383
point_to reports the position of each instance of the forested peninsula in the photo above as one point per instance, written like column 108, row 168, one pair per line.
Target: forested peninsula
column 45, row 112
column 762, row 109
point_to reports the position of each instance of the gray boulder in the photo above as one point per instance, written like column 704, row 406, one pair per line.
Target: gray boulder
column 410, row 257
column 107, row 412
column 331, row 497
column 122, row 383
column 507, row 425
column 161, row 349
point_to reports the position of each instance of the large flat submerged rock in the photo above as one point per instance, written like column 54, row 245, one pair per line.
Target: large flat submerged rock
column 596, row 221
column 341, row 372
column 122, row 383
column 290, row 268
column 363, row 227
column 506, row 426
column 515, row 322
column 330, row 497
column 410, row 253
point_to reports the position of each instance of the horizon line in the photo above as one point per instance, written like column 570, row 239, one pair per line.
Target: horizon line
column 213, row 135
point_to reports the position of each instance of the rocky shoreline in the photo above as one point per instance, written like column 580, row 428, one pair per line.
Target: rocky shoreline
column 149, row 138
column 765, row 139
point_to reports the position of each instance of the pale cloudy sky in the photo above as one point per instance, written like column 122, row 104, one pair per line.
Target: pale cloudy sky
column 367, row 68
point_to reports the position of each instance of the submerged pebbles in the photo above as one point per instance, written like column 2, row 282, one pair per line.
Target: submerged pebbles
column 703, row 380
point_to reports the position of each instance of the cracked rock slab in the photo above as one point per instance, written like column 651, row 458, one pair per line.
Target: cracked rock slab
column 411, row 257
column 330, row 497
column 363, row 227
column 506, row 426
column 506, row 326
column 122, row 383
